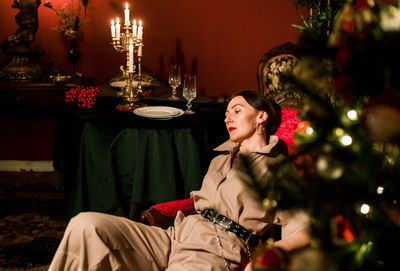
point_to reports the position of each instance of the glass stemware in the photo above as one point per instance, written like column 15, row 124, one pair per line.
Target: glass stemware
column 174, row 80
column 189, row 91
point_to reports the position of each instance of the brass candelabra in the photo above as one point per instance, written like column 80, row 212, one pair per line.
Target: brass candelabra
column 130, row 42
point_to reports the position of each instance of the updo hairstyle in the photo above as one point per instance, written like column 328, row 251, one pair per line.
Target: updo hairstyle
column 262, row 103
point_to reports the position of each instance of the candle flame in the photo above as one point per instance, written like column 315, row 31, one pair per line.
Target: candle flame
column 126, row 5
column 112, row 22
column 117, row 20
column 140, row 22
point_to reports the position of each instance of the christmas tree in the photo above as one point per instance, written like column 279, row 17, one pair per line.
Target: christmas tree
column 346, row 170
column 321, row 16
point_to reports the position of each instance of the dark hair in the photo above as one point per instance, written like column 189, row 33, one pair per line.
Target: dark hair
column 262, row 103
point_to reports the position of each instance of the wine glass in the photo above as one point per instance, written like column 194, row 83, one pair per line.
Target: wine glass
column 174, row 80
column 189, row 91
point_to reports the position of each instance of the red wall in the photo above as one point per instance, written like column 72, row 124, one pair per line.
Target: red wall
column 221, row 41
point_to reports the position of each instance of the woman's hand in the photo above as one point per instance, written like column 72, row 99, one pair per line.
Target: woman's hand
column 297, row 240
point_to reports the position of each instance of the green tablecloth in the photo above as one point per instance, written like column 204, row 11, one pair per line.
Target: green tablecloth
column 108, row 157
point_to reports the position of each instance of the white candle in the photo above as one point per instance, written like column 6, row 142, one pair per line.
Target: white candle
column 112, row 29
column 140, row 30
column 127, row 22
column 118, row 29
column 139, row 53
column 130, row 55
column 134, row 29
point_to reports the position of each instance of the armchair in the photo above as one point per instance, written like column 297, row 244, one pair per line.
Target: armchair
column 163, row 214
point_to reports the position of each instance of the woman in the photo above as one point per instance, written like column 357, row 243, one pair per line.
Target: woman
column 95, row 241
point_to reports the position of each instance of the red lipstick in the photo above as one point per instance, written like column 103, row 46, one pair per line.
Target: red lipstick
column 231, row 129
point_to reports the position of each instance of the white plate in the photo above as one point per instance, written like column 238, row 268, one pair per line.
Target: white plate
column 158, row 112
column 122, row 84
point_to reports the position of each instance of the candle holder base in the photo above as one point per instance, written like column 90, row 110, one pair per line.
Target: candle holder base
column 132, row 100
column 131, row 95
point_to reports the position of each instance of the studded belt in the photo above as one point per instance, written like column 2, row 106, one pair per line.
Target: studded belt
column 241, row 232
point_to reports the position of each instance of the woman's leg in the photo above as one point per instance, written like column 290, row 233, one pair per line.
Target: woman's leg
column 96, row 241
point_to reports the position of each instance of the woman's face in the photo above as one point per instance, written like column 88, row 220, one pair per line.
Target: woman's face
column 240, row 119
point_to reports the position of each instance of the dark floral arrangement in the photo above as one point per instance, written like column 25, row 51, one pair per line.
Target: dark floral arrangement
column 83, row 96
column 70, row 16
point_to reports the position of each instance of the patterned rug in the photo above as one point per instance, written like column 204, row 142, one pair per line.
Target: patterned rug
column 32, row 223
column 28, row 241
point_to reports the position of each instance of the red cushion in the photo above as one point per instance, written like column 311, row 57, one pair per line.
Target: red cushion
column 288, row 125
column 172, row 207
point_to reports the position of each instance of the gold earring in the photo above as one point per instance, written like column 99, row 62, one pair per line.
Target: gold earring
column 258, row 129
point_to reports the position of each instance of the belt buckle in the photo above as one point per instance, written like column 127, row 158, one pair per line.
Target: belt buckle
column 206, row 212
column 210, row 214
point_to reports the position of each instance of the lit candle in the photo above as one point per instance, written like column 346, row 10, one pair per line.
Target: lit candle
column 118, row 29
column 140, row 30
column 139, row 53
column 112, row 29
column 130, row 55
column 134, row 29
column 127, row 22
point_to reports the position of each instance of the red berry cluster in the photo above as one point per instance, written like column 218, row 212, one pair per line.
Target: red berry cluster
column 84, row 96
column 130, row 107
column 145, row 92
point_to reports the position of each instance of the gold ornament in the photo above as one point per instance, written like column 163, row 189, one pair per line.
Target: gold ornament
column 329, row 168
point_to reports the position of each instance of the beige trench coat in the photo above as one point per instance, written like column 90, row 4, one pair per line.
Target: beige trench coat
column 95, row 241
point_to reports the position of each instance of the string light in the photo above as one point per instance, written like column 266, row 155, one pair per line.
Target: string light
column 309, row 131
column 338, row 132
column 346, row 140
column 364, row 209
column 352, row 114
column 379, row 190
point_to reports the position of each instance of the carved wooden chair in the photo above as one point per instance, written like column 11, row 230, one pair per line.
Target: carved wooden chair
column 276, row 62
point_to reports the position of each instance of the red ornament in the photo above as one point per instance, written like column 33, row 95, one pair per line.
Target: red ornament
column 344, row 229
column 360, row 4
column 272, row 259
column 343, row 57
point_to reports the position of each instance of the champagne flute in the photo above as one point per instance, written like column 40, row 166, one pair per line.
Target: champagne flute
column 189, row 91
column 174, row 80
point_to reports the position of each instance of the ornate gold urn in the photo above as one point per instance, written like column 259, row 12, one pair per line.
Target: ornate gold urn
column 23, row 60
